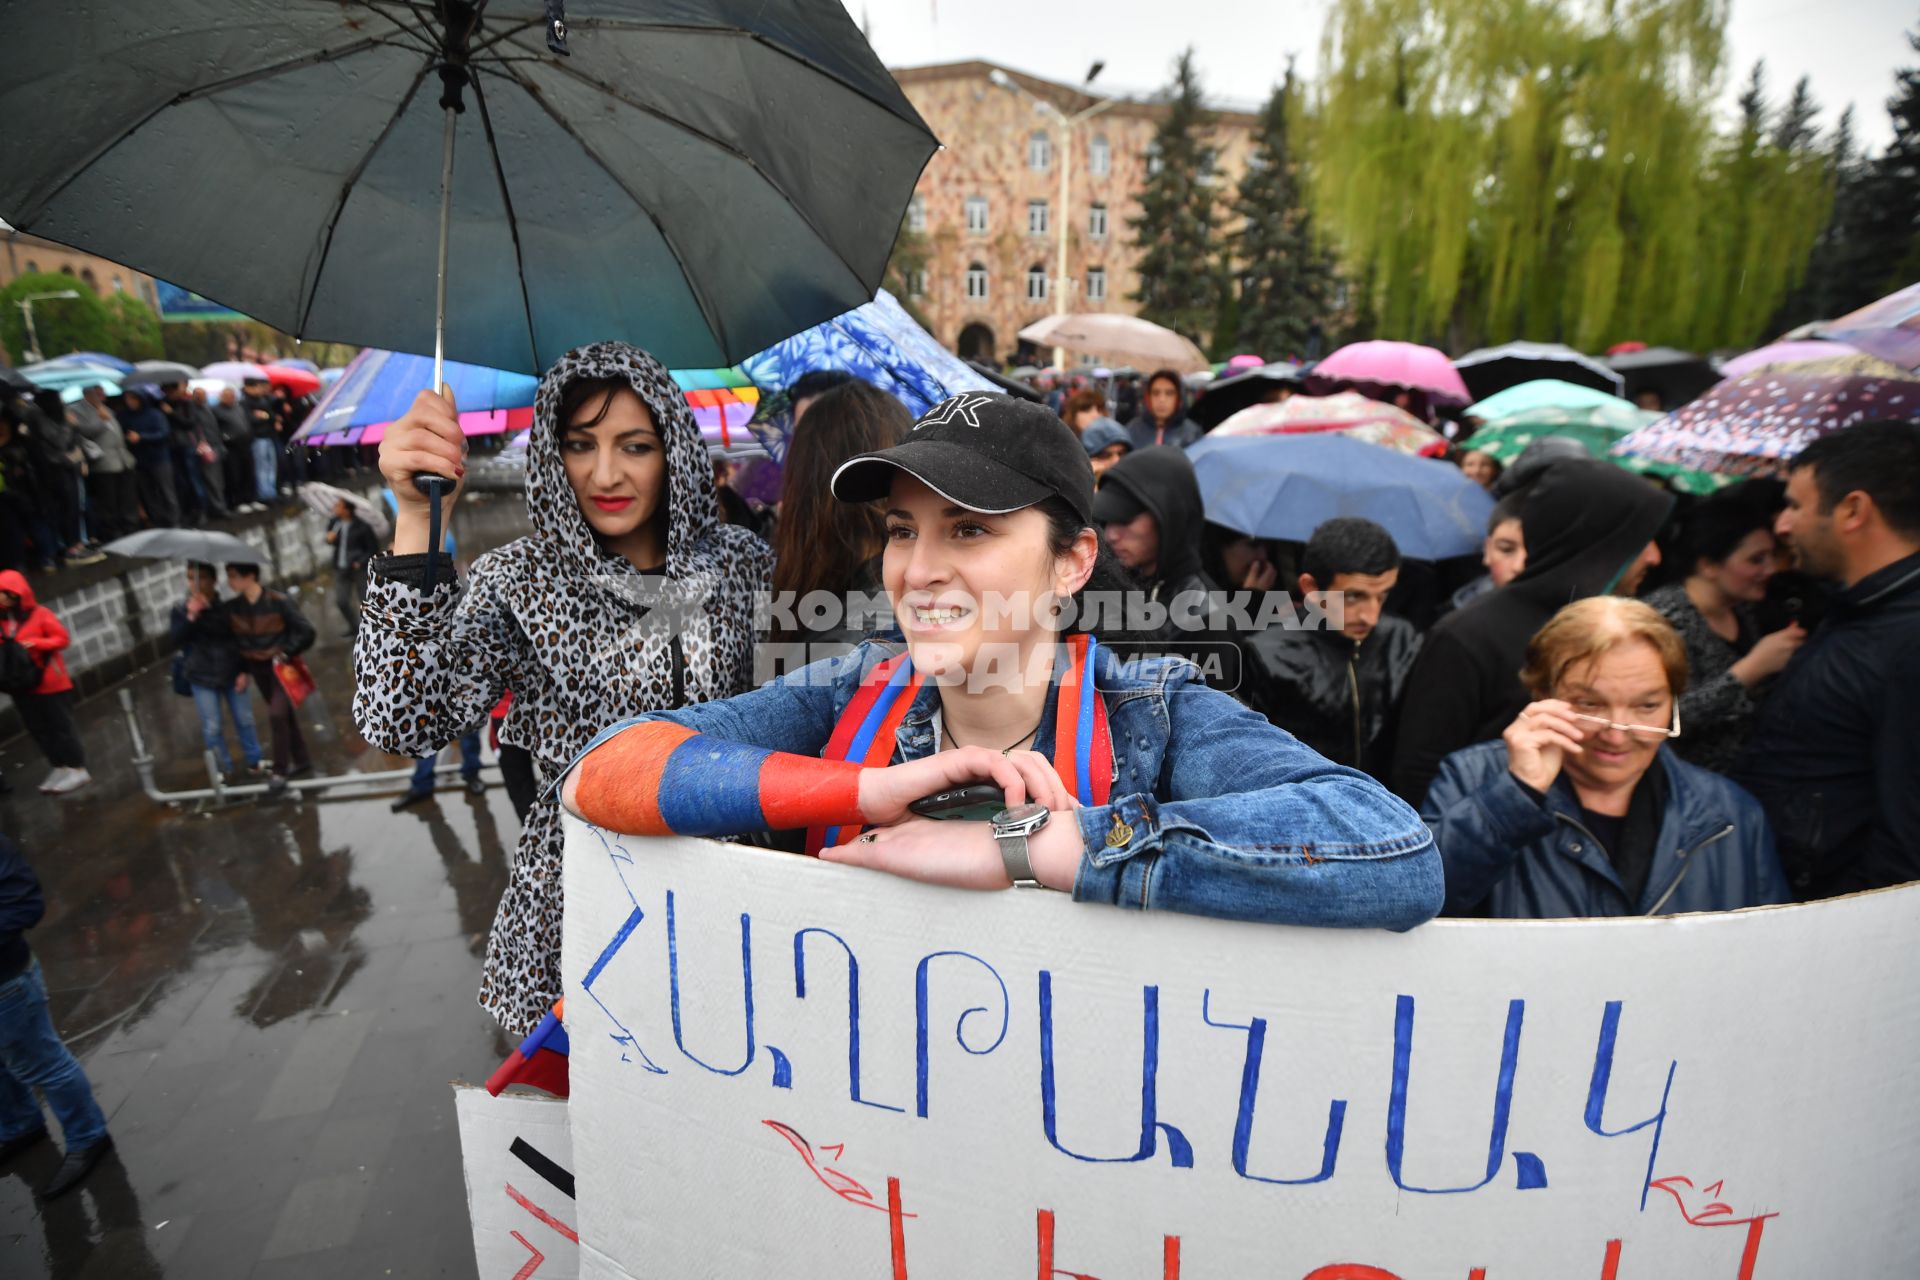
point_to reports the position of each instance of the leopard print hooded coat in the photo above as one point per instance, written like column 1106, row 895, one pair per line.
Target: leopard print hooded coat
column 576, row 632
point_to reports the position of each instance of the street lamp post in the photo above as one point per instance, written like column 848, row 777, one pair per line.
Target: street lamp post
column 1064, row 125
column 26, row 311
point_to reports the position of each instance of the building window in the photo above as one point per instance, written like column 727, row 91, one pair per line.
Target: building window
column 1096, row 284
column 917, row 213
column 153, row 299
column 1154, row 162
column 119, row 285
column 917, row 283
column 977, row 215
column 1036, row 217
column 32, row 266
column 1097, row 221
column 1209, row 166
column 1039, row 151
column 1036, row 283
column 1099, row 156
column 976, row 282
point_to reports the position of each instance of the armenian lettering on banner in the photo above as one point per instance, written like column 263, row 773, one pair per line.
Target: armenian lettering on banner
column 783, row 1067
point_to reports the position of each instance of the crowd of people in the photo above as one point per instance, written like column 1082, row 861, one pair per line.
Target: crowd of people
column 74, row 476
column 1629, row 702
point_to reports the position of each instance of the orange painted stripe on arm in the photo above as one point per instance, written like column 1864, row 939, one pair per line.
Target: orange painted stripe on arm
column 619, row 780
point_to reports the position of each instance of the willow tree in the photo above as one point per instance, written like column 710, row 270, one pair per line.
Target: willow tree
column 1549, row 169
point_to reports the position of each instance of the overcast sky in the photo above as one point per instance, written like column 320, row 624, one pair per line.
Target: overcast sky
column 1850, row 48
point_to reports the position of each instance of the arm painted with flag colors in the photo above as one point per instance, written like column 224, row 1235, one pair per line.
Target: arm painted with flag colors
column 657, row 778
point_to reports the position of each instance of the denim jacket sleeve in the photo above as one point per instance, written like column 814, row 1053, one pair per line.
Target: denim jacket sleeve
column 1246, row 823
column 1481, row 818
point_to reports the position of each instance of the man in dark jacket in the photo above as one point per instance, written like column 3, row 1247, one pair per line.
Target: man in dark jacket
column 267, row 626
column 1163, row 414
column 32, row 1055
column 150, row 439
column 1834, row 756
column 237, row 437
column 1338, row 689
column 263, row 414
column 353, row 543
column 210, row 665
column 1589, row 530
column 1150, row 513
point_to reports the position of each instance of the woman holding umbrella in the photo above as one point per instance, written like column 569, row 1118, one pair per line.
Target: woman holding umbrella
column 629, row 596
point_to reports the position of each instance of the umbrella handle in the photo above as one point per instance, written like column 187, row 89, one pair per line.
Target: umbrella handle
column 433, row 487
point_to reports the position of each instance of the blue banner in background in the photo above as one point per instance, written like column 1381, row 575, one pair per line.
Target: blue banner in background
column 178, row 305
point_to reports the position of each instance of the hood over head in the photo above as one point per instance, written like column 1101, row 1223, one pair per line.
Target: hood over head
column 1584, row 522
column 1179, row 407
column 1161, row 479
column 1102, row 432
column 16, row 582
column 554, row 509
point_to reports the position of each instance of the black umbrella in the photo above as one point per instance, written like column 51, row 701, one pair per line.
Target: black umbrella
column 701, row 178
column 1675, row 376
column 1012, row 386
column 1492, row 370
column 1227, row 396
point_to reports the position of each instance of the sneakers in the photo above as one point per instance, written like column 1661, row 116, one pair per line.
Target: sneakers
column 75, row 1166
column 475, row 787
column 410, row 799
column 53, row 776
column 65, row 780
column 276, row 785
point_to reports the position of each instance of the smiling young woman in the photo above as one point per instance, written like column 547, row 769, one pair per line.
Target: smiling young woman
column 1129, row 783
column 620, row 496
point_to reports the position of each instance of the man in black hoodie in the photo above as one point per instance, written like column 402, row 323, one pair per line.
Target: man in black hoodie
column 1150, row 513
column 1589, row 530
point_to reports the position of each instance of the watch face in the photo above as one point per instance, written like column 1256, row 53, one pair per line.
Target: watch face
column 1019, row 815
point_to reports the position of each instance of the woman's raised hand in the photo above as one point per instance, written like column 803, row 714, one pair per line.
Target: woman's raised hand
column 1539, row 739
column 427, row 440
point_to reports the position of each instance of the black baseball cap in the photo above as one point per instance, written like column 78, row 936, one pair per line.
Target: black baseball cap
column 984, row 451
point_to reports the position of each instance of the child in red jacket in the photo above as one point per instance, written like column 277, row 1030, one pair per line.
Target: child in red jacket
column 46, row 711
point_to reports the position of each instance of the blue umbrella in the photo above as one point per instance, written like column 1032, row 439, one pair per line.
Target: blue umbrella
column 99, row 359
column 379, row 386
column 1287, row 486
column 56, row 376
column 877, row 342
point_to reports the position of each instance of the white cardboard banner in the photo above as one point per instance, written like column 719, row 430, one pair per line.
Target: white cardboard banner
column 785, row 1068
column 520, row 1178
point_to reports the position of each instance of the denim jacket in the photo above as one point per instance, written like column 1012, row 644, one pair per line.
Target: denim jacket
column 1525, row 860
column 1213, row 811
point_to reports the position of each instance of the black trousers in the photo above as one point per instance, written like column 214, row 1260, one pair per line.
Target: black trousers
column 113, row 504
column 156, row 493
column 239, row 464
column 289, row 748
column 48, row 718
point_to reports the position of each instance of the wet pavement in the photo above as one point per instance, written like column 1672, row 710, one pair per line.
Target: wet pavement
column 270, row 998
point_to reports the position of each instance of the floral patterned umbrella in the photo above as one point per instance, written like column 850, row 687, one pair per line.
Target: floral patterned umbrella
column 1752, row 426
column 1596, row 427
column 1349, row 413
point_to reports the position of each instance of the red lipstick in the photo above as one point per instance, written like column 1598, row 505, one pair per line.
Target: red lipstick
column 611, row 504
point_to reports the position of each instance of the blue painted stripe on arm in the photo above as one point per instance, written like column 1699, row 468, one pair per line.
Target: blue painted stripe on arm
column 711, row 787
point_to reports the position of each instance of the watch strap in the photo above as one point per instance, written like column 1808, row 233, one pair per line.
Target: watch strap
column 1013, row 853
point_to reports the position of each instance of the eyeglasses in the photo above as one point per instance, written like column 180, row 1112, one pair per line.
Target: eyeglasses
column 1671, row 731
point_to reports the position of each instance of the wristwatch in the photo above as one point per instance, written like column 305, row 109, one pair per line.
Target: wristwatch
column 1011, row 827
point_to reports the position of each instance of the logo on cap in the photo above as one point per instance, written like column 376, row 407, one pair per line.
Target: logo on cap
column 960, row 406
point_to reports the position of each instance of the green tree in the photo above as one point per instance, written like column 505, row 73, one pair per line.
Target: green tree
column 1550, row 169
column 63, row 324
column 1892, row 222
column 135, row 327
column 1175, row 229
column 1286, row 279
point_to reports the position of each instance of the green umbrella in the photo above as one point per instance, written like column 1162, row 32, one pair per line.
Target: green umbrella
column 1597, row 428
column 1542, row 393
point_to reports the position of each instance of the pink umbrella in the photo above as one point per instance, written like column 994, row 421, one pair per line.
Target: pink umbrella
column 1396, row 364
column 1779, row 353
column 1240, row 362
column 1348, row 413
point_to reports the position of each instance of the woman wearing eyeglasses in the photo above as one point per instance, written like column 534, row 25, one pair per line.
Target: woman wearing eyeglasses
column 1578, row 810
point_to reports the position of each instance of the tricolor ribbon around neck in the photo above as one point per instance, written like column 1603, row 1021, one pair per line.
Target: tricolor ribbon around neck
column 1082, row 743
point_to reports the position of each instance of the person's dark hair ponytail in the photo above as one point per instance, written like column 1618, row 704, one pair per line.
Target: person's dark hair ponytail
column 1109, row 578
